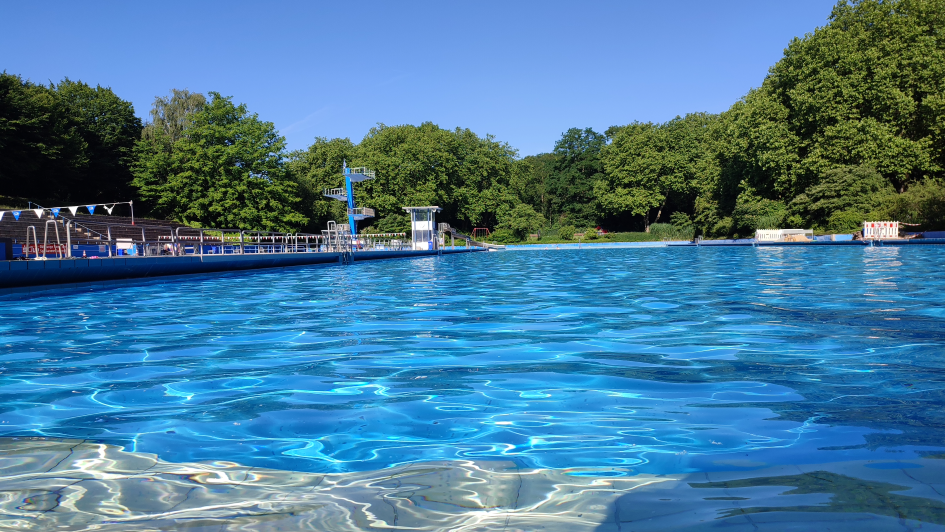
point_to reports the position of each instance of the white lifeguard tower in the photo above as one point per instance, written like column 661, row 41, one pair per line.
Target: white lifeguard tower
column 423, row 227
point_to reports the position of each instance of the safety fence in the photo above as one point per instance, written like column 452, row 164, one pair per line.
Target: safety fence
column 66, row 238
column 876, row 230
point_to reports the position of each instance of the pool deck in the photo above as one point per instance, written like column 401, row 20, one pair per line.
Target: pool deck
column 19, row 277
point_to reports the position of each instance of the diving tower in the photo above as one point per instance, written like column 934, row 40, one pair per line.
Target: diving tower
column 346, row 194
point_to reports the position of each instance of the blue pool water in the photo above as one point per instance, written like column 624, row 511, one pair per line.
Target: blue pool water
column 602, row 363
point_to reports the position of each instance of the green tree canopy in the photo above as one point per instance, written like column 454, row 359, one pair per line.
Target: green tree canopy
column 65, row 143
column 866, row 90
column 226, row 170
column 649, row 166
column 170, row 115
column 314, row 170
column 464, row 174
column 577, row 166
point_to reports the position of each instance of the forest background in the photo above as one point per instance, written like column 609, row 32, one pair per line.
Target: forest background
column 848, row 126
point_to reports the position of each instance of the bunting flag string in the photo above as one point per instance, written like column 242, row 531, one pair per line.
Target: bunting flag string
column 54, row 211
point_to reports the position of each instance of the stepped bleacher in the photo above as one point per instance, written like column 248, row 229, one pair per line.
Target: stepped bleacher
column 86, row 227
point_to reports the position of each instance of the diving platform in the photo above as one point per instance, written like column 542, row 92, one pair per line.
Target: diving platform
column 361, row 213
column 358, row 174
column 339, row 194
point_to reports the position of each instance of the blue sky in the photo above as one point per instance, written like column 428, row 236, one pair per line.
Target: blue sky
column 522, row 71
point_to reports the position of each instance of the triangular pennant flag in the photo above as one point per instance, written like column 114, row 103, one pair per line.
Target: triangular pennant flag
column 91, row 208
column 16, row 215
column 109, row 208
column 73, row 210
column 55, row 212
column 39, row 212
column 1, row 215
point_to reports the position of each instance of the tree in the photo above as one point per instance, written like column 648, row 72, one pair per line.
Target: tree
column 226, row 170
column 464, row 174
column 648, row 166
column 109, row 129
column 521, row 220
column 315, row 169
column 171, row 115
column 866, row 90
column 66, row 142
column 530, row 178
column 859, row 190
column 576, row 168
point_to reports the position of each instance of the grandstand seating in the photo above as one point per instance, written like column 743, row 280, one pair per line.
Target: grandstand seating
column 87, row 226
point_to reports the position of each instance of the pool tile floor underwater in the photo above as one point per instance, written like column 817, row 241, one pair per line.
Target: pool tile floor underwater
column 659, row 389
column 74, row 485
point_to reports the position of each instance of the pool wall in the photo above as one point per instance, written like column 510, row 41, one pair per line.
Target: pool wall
column 743, row 242
column 24, row 276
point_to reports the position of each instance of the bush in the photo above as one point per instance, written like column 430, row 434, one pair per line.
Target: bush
column 671, row 232
column 845, row 221
column 504, row 236
column 752, row 213
column 394, row 223
column 566, row 232
column 723, row 227
column 590, row 233
column 521, row 220
column 680, row 220
column 923, row 203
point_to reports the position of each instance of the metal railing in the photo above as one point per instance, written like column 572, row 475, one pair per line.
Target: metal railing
column 363, row 212
column 102, row 239
column 363, row 170
column 336, row 193
column 381, row 242
column 107, row 239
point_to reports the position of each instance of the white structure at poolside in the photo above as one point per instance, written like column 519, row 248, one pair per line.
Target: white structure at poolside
column 784, row 235
column 423, row 227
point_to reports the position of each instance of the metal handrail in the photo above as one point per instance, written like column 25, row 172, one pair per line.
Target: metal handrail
column 155, row 240
column 363, row 170
column 331, row 192
column 361, row 211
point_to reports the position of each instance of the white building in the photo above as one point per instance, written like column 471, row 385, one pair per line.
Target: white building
column 423, row 226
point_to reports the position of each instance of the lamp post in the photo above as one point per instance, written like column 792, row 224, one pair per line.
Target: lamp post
column 131, row 204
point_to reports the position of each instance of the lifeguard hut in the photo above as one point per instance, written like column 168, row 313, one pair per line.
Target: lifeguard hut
column 423, row 227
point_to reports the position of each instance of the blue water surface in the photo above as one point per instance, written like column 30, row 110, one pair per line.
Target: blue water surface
column 647, row 360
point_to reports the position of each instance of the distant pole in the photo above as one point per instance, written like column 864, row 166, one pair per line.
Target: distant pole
column 132, row 205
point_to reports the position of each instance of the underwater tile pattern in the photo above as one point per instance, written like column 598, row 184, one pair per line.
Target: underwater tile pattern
column 597, row 371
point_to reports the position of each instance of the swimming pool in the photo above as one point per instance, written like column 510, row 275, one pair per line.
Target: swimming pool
column 601, row 367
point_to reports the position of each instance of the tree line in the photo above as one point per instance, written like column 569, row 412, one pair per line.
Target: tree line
column 849, row 125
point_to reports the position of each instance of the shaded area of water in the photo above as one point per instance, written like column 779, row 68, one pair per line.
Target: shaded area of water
column 601, row 364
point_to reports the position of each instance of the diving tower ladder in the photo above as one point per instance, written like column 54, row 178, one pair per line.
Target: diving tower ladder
column 346, row 194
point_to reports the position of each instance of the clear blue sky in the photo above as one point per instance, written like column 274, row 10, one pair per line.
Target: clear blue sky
column 524, row 71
